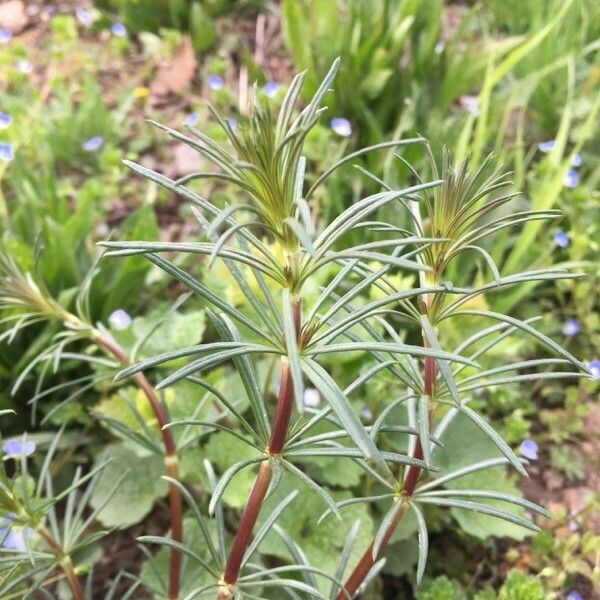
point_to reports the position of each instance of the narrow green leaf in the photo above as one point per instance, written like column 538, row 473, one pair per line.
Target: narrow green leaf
column 297, row 553
column 226, row 478
column 443, row 365
column 480, row 508
column 491, row 495
column 317, row 489
column 531, row 331
column 268, row 524
column 292, row 349
column 165, row 541
column 478, row 466
column 423, row 426
column 344, row 558
column 342, row 408
column 495, row 437
column 423, row 542
column 386, row 523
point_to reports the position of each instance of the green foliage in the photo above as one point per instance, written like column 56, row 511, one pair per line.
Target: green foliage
column 516, row 586
column 196, row 17
column 457, row 455
column 141, row 486
column 441, row 588
column 519, row 586
column 566, row 460
column 395, row 282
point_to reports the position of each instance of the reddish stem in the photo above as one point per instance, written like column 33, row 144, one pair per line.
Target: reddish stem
column 365, row 564
column 247, row 522
column 279, row 431
column 171, row 461
column 283, row 411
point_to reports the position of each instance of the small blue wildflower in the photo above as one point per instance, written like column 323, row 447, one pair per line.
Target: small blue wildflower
column 571, row 327
column 574, row 595
column 215, row 82
column 192, row 118
column 547, row 146
column 17, row 447
column 576, row 160
column 119, row 29
column 312, row 398
column 24, row 66
column 365, row 413
column 471, row 103
column 5, row 120
column 93, row 144
column 561, row 239
column 341, row 126
column 5, row 35
column 571, row 179
column 6, row 152
column 573, row 525
column 270, row 88
column 529, row 449
column 594, row 367
column 119, row 319
column 439, row 47
column 232, row 122
column 84, row 17
column 15, row 539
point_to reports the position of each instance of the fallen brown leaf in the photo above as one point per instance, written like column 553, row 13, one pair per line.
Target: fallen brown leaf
column 175, row 75
column 185, row 161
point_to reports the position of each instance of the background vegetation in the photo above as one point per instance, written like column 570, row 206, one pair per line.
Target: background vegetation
column 519, row 79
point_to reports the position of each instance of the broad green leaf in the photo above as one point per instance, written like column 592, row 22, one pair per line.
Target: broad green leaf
column 480, row 450
column 137, row 493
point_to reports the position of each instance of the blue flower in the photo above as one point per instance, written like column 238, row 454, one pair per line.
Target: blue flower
column 93, row 144
column 365, row 413
column 191, row 119
column 341, row 126
column 84, row 17
column 312, row 398
column 574, row 595
column 571, row 327
column 5, row 35
column 576, row 160
column 439, row 47
column 471, row 103
column 561, row 239
column 5, row 120
column 215, row 82
column 594, row 367
column 119, row 29
column 571, row 179
column 547, row 146
column 529, row 449
column 17, row 447
column 14, row 539
column 24, row 66
column 119, row 319
column 270, row 88
column 6, row 152
column 232, row 122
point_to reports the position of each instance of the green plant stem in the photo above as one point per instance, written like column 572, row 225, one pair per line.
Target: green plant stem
column 279, row 431
column 365, row 564
column 171, row 460
column 64, row 560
